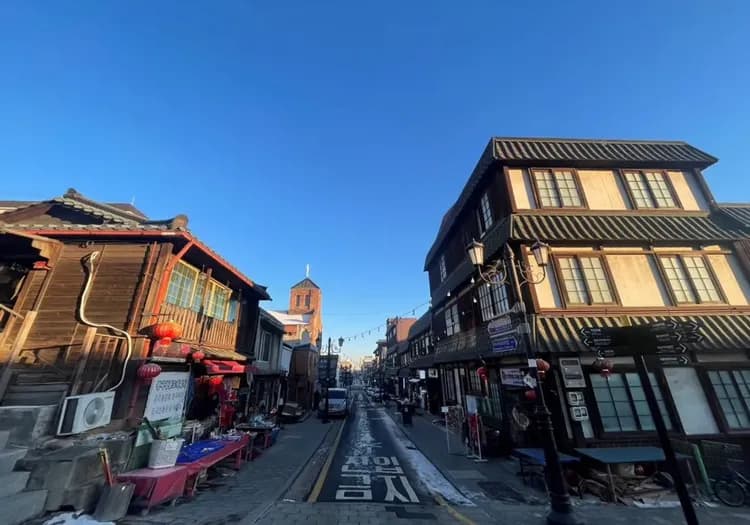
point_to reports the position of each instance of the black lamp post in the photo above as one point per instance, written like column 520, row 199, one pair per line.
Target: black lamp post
column 500, row 273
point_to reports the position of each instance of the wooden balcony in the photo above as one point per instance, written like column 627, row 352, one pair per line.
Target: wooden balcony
column 201, row 329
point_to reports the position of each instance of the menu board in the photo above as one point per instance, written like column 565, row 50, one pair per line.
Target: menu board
column 166, row 397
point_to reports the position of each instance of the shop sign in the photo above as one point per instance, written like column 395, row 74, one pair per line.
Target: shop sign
column 511, row 377
column 166, row 397
column 422, row 374
column 432, row 373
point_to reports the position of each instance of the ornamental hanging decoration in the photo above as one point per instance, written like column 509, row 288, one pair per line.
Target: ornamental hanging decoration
column 542, row 367
column 148, row 371
column 482, row 373
column 167, row 332
column 197, row 356
column 603, row 366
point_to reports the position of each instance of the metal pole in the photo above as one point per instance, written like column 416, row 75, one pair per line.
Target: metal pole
column 328, row 373
column 687, row 506
column 561, row 508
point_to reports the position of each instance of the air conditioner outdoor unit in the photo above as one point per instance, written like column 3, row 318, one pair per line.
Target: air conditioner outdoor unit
column 84, row 412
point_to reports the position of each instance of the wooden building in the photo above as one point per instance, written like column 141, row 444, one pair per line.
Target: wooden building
column 83, row 283
column 635, row 237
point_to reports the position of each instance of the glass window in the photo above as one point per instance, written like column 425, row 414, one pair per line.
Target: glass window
column 307, row 301
column 649, row 189
column 451, row 320
column 218, row 300
column 584, row 280
column 182, row 285
column 557, row 188
column 234, row 306
column 443, row 269
column 484, row 214
column 622, row 403
column 493, row 300
column 689, row 279
column 732, row 389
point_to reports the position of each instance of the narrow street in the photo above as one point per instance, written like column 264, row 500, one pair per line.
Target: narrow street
column 369, row 465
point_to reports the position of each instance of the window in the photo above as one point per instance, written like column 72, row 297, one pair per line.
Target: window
column 584, row 281
column 493, row 300
column 690, row 279
column 266, row 341
column 234, row 306
column 299, row 301
column 484, row 214
column 649, row 189
column 443, row 269
column 183, row 284
column 452, row 325
column 307, row 301
column 622, row 403
column 733, row 392
column 218, row 301
column 557, row 188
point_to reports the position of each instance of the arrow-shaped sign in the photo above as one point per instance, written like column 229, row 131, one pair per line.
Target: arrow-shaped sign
column 668, row 337
column 674, row 359
column 678, row 348
column 692, row 338
column 670, row 325
column 597, row 342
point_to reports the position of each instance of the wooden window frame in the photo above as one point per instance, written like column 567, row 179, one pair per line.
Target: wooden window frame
column 194, row 292
column 714, row 279
column 455, row 324
column 212, row 287
column 642, row 173
column 495, row 307
column 713, row 398
column 481, row 219
column 561, row 282
column 576, row 180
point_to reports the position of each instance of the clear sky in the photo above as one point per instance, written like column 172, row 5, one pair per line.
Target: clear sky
column 337, row 133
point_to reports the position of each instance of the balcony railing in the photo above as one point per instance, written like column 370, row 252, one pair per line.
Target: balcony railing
column 201, row 329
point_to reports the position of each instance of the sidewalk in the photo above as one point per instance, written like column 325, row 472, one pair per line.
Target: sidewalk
column 251, row 490
column 497, row 491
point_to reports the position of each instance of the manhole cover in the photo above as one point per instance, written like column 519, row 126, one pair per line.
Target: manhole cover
column 504, row 492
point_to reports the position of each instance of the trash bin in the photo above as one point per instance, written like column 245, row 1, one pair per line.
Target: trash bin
column 407, row 411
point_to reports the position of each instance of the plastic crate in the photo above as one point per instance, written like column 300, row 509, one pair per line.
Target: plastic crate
column 164, row 452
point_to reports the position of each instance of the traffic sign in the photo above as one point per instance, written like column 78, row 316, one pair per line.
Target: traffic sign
column 505, row 344
column 672, row 325
column 678, row 348
column 659, row 338
column 674, row 359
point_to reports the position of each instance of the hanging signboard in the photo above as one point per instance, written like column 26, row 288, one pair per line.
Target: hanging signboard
column 432, row 373
column 166, row 396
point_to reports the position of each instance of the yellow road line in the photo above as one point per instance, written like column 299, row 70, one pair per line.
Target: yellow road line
column 313, row 497
column 453, row 512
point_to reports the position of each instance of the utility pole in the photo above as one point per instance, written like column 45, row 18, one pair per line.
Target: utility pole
column 328, row 373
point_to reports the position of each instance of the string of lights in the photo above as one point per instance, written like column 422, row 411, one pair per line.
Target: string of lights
column 368, row 331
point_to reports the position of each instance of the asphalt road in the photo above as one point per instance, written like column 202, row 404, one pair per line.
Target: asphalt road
column 367, row 466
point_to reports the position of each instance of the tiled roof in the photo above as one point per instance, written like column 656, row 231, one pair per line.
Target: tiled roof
column 720, row 332
column 573, row 151
column 738, row 212
column 306, row 283
column 622, row 228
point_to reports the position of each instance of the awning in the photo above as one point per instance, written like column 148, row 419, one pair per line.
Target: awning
column 221, row 353
column 221, row 367
column 720, row 332
column 423, row 362
column 404, row 372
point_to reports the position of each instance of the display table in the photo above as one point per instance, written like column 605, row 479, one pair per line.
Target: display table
column 155, row 486
column 535, row 457
column 263, row 434
column 198, row 466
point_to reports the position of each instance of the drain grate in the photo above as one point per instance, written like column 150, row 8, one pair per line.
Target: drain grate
column 505, row 493
column 402, row 513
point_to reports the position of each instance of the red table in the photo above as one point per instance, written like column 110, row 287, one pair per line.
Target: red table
column 156, row 486
column 194, row 468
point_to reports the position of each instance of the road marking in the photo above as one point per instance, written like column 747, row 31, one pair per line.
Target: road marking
column 326, row 467
column 453, row 512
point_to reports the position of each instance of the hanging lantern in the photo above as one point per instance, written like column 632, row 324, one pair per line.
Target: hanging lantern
column 197, row 356
column 542, row 365
column 215, row 380
column 482, row 373
column 603, row 366
column 530, row 395
column 167, row 331
column 147, row 371
column 185, row 350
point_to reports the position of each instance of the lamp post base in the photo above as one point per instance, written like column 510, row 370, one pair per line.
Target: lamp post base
column 556, row 517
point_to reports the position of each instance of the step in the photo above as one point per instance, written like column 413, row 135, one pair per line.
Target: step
column 4, row 436
column 23, row 506
column 13, row 483
column 8, row 458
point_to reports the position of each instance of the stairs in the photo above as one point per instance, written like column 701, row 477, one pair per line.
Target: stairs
column 17, row 504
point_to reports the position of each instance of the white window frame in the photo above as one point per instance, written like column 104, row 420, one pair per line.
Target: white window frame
column 688, row 277
column 493, row 300
column 180, row 294
column 650, row 189
column 557, row 188
column 484, row 214
column 214, row 290
column 452, row 323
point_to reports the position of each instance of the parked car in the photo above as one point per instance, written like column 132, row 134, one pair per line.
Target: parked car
column 338, row 403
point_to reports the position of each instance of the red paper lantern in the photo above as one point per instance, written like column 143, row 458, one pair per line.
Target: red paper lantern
column 147, row 371
column 167, row 331
column 530, row 395
column 215, row 380
column 197, row 356
column 482, row 373
column 185, row 350
column 542, row 365
column 603, row 366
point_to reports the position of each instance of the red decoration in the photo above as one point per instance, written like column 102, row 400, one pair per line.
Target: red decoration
column 147, row 371
column 166, row 332
column 603, row 366
column 542, row 365
column 184, row 350
column 215, row 380
column 530, row 395
column 198, row 356
column 482, row 373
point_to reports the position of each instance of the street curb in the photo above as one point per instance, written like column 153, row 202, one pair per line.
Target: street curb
column 257, row 514
column 453, row 512
column 323, row 474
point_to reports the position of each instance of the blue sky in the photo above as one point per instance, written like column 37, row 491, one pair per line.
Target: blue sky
column 336, row 133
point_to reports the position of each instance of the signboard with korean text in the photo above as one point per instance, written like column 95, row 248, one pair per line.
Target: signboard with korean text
column 166, row 396
column 511, row 377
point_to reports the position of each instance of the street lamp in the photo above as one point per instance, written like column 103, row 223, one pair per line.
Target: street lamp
column 499, row 273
